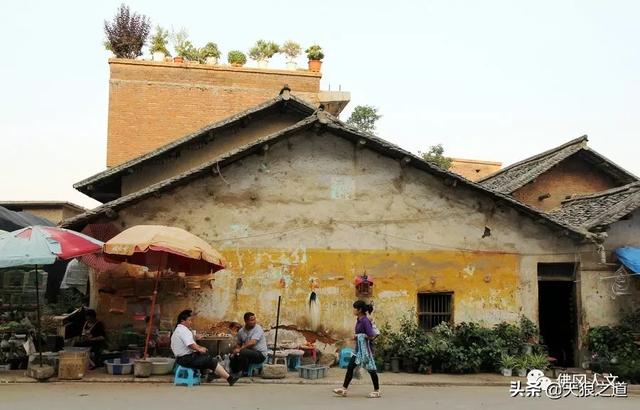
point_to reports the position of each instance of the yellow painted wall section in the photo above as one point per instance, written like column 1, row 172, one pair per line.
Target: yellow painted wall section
column 484, row 285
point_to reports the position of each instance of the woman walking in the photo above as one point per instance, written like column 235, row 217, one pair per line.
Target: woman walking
column 364, row 334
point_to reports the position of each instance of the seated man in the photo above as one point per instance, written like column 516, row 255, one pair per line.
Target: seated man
column 94, row 337
column 189, row 354
column 251, row 347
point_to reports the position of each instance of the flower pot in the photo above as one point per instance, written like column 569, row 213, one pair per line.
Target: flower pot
column 142, row 368
column 522, row 372
column 315, row 65
column 292, row 65
column 395, row 365
column 527, row 348
column 158, row 56
column 236, row 64
column 506, row 372
column 262, row 63
column 178, row 59
column 211, row 60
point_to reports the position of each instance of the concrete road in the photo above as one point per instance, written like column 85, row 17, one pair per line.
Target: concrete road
column 119, row 396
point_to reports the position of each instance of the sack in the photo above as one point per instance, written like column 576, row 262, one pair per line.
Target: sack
column 376, row 332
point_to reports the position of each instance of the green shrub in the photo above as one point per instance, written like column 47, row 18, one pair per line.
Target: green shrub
column 159, row 41
column 263, row 50
column 510, row 336
column 291, row 49
column 508, row 361
column 236, row 57
column 606, row 342
column 631, row 320
column 538, row 361
column 209, row 50
column 314, row 52
column 529, row 330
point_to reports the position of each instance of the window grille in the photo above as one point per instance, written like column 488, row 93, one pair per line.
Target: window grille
column 434, row 308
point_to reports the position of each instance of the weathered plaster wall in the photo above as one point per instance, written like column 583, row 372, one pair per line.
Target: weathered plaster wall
column 221, row 142
column 603, row 306
column 315, row 211
column 624, row 232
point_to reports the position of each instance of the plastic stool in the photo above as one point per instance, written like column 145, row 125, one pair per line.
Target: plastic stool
column 185, row 375
column 294, row 362
column 345, row 357
column 255, row 366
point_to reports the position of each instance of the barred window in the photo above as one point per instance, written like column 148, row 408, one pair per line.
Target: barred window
column 434, row 308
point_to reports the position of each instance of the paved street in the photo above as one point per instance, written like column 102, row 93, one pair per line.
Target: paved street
column 99, row 396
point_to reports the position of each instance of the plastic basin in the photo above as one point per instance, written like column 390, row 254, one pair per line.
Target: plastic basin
column 117, row 366
column 162, row 365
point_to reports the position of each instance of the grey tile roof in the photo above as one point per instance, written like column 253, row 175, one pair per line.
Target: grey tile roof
column 599, row 209
column 339, row 128
column 114, row 173
column 515, row 176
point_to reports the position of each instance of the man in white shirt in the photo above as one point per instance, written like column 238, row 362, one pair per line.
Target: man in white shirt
column 251, row 345
column 189, row 354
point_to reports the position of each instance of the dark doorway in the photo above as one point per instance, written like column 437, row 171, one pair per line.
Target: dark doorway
column 557, row 310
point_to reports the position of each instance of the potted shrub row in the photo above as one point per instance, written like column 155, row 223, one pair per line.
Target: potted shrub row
column 523, row 364
column 127, row 33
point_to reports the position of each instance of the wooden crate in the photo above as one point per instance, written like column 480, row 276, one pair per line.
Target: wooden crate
column 73, row 364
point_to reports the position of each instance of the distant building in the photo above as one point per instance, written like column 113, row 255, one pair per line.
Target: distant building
column 54, row 211
column 474, row 169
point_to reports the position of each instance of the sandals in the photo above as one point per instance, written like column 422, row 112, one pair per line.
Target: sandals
column 340, row 392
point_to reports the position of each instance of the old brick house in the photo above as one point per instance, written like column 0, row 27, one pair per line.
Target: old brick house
column 544, row 180
column 154, row 103
column 301, row 204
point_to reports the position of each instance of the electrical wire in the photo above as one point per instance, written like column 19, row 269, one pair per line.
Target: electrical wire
column 351, row 224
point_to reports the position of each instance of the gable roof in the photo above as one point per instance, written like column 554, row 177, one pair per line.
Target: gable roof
column 325, row 121
column 600, row 209
column 515, row 176
column 109, row 180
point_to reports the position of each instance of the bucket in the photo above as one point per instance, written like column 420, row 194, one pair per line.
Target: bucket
column 142, row 368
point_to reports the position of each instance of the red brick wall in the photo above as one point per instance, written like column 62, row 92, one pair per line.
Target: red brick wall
column 152, row 104
column 570, row 177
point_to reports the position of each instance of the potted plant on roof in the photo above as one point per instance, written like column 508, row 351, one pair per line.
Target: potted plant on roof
column 183, row 47
column 126, row 33
column 315, row 56
column 262, row 51
column 210, row 53
column 158, row 47
column 236, row 58
column 292, row 50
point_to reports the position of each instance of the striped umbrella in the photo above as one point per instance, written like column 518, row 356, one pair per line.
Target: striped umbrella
column 42, row 245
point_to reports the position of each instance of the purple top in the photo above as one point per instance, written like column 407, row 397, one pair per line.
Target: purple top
column 363, row 325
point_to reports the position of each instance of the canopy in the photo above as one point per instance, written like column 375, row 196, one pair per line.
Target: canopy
column 11, row 220
column 42, row 245
column 165, row 247
column 630, row 257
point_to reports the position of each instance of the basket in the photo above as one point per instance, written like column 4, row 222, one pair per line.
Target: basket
column 313, row 371
column 119, row 366
column 73, row 363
